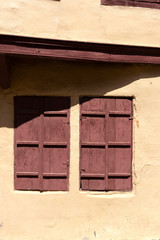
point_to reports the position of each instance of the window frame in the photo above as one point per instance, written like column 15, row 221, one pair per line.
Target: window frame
column 129, row 3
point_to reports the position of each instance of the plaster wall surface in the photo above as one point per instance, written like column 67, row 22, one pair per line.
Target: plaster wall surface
column 75, row 214
column 83, row 20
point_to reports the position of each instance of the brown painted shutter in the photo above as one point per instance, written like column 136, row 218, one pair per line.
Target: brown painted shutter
column 119, row 131
column 56, row 143
column 105, row 144
column 27, row 125
column 41, row 143
column 93, row 141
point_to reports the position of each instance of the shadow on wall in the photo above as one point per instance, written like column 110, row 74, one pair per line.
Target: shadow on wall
column 41, row 77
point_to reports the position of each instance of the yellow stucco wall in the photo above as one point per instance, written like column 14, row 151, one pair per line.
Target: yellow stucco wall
column 84, row 20
column 77, row 215
column 84, row 215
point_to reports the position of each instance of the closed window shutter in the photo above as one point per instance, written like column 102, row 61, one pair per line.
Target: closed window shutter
column 27, row 125
column 93, row 141
column 119, row 131
column 106, row 130
column 41, row 143
column 56, row 143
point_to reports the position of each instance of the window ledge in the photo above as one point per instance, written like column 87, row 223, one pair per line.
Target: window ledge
column 110, row 194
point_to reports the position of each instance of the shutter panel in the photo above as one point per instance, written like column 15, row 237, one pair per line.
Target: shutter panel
column 41, row 143
column 106, row 143
column 93, row 153
column 119, row 130
column 27, row 126
column 56, row 143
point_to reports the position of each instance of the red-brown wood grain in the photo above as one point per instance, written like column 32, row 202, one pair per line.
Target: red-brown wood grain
column 11, row 46
column 41, row 143
column 83, row 51
column 93, row 153
column 106, row 144
column 136, row 3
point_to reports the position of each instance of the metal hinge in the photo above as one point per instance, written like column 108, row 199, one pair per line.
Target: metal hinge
column 83, row 117
column 83, row 170
column 66, row 121
column 66, row 163
column 131, row 118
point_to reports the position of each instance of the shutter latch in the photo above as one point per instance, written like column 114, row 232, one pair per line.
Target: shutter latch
column 66, row 163
column 131, row 118
column 83, row 170
column 66, row 121
column 83, row 117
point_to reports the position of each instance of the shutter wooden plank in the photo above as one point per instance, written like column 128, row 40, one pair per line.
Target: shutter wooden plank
column 93, row 105
column 62, row 144
column 93, row 130
column 93, row 163
column 56, row 143
column 27, row 174
column 111, row 136
column 41, row 133
column 26, row 143
column 93, row 113
column 119, row 174
column 93, row 144
column 119, row 113
column 93, row 175
column 119, row 144
column 98, row 104
column 119, row 157
column 55, row 174
column 54, row 159
column 55, row 113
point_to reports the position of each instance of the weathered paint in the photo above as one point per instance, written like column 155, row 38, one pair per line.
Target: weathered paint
column 106, row 143
column 41, row 143
column 76, row 214
column 76, row 51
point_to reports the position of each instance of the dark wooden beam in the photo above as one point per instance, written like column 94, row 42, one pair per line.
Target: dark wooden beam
column 4, row 74
column 136, row 3
column 77, row 51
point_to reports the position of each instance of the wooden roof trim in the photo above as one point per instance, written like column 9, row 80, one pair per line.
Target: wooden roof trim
column 11, row 45
column 74, row 50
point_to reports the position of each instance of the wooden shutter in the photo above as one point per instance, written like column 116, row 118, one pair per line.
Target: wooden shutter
column 41, row 143
column 93, row 141
column 119, row 131
column 27, row 125
column 106, row 130
column 56, row 143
